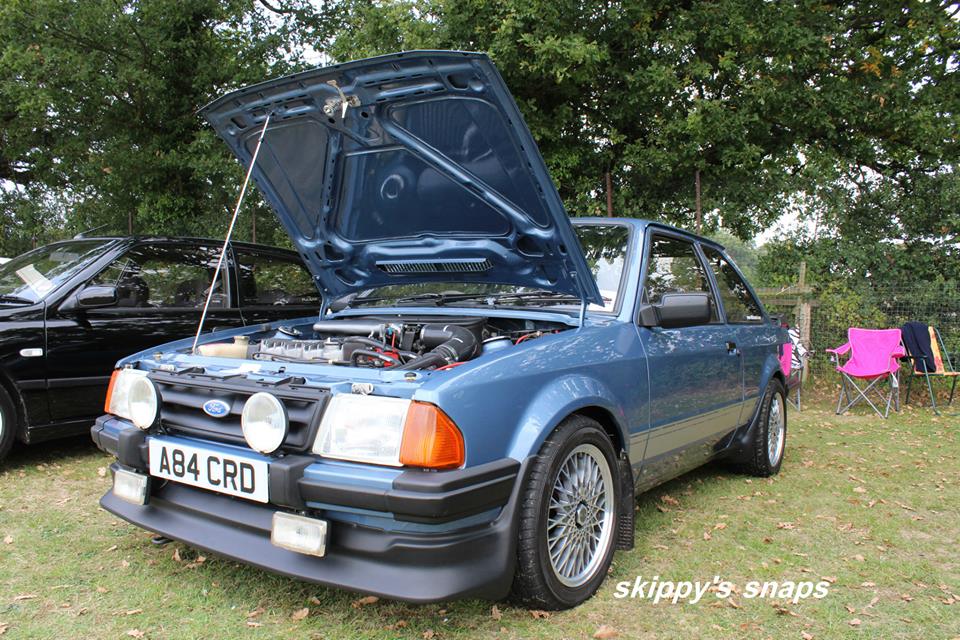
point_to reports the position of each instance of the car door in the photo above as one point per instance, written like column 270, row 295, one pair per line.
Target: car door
column 745, row 316
column 695, row 379
column 274, row 285
column 161, row 288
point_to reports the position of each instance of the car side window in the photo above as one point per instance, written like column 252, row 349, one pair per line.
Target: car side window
column 738, row 303
column 164, row 276
column 269, row 279
column 674, row 268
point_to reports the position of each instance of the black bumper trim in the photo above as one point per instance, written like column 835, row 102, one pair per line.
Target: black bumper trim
column 128, row 445
column 478, row 561
column 415, row 495
column 424, row 496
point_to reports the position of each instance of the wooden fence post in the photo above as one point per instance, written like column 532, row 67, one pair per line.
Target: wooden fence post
column 804, row 309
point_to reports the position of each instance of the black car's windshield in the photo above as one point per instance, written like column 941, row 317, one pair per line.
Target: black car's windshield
column 604, row 246
column 32, row 276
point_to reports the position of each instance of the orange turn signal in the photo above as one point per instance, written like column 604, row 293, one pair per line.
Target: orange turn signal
column 113, row 380
column 430, row 439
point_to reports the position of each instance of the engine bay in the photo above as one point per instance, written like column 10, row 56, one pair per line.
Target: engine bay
column 401, row 343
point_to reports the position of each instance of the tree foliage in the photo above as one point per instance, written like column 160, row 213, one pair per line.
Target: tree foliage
column 98, row 104
column 849, row 108
column 844, row 114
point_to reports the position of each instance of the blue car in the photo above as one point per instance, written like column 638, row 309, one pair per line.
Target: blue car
column 487, row 384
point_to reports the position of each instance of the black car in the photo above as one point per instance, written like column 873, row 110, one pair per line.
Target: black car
column 70, row 310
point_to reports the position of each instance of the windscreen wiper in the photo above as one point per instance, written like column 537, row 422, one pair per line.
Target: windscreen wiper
column 15, row 299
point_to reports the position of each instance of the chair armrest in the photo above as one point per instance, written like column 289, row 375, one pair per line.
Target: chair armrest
column 842, row 349
column 899, row 352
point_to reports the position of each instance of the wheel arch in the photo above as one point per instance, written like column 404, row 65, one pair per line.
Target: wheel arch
column 19, row 406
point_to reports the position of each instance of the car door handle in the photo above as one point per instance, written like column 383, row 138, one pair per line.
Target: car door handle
column 732, row 348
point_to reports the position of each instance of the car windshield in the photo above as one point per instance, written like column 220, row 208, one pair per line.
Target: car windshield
column 32, row 276
column 604, row 246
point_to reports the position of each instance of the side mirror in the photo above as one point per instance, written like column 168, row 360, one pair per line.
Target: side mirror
column 678, row 310
column 92, row 297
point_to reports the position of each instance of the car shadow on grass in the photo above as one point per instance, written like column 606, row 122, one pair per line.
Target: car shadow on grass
column 69, row 449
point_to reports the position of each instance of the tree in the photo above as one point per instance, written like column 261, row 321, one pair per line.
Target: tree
column 764, row 99
column 98, row 104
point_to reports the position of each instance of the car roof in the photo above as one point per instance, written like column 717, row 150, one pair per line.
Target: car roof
column 640, row 224
column 171, row 239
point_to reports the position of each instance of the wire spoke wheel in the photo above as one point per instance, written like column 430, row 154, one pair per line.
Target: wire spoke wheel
column 776, row 429
column 579, row 523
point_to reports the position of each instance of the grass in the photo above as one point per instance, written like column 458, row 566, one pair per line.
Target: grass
column 870, row 506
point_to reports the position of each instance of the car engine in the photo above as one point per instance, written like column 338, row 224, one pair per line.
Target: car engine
column 407, row 343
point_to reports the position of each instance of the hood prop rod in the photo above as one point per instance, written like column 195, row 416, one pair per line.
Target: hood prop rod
column 226, row 241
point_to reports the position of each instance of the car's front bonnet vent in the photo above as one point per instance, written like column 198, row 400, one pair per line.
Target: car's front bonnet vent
column 183, row 399
column 471, row 265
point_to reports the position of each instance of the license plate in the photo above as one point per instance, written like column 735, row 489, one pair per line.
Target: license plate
column 208, row 469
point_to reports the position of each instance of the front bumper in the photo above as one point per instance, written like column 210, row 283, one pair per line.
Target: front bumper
column 426, row 564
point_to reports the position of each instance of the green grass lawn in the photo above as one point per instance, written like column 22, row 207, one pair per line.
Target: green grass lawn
column 870, row 506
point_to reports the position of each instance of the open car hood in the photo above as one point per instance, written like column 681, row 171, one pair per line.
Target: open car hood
column 406, row 168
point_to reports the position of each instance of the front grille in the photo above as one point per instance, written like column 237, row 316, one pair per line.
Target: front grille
column 183, row 396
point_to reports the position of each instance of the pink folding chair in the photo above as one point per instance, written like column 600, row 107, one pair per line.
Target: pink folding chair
column 873, row 359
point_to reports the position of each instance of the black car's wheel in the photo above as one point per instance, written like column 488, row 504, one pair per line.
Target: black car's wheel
column 568, row 518
column 8, row 424
column 769, row 433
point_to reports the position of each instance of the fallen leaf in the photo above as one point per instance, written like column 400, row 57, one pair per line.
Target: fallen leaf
column 855, row 622
column 102, row 472
column 176, row 555
column 720, row 526
column 300, row 614
column 103, row 590
column 251, row 623
column 906, row 597
column 859, row 490
column 428, row 634
column 256, row 613
column 362, row 602
column 859, row 558
column 668, row 499
column 830, row 579
column 806, row 636
column 604, row 632
column 786, row 525
column 538, row 613
column 495, row 613
column 25, row 596
column 706, row 535
column 133, row 612
column 314, row 600
column 113, row 548
column 136, row 633
column 8, row 540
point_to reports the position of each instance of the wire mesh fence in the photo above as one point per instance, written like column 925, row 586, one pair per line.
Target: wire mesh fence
column 832, row 311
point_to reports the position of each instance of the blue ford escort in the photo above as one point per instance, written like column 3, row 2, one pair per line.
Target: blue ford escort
column 488, row 383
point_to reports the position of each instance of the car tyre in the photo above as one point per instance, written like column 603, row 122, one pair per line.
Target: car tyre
column 568, row 518
column 769, row 433
column 8, row 424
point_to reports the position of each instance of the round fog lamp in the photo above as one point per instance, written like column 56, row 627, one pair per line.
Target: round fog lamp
column 264, row 422
column 142, row 402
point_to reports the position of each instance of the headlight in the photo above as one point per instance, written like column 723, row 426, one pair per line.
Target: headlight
column 143, row 402
column 389, row 431
column 118, row 393
column 264, row 422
